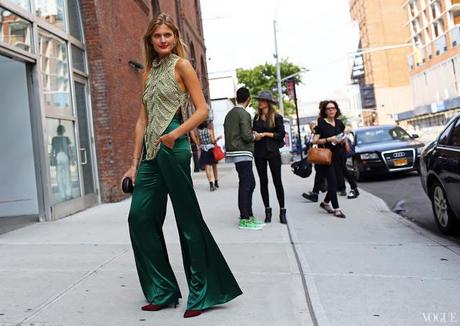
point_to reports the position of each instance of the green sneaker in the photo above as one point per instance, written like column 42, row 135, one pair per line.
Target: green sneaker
column 247, row 224
column 256, row 221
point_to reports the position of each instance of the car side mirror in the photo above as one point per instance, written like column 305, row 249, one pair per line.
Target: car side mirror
column 415, row 136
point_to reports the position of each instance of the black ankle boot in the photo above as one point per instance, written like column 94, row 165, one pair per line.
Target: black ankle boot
column 268, row 214
column 216, row 185
column 283, row 216
column 211, row 186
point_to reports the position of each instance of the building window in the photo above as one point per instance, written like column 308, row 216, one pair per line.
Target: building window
column 198, row 16
column 54, row 69
column 75, row 26
column 15, row 31
column 155, row 8
column 192, row 55
column 52, row 11
column 78, row 59
column 25, row 4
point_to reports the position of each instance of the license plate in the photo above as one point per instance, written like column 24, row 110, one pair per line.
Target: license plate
column 400, row 162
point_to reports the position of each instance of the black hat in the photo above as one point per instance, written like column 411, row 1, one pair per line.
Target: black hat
column 266, row 96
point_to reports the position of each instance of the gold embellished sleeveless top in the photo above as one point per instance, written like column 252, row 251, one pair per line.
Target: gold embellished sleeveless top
column 162, row 98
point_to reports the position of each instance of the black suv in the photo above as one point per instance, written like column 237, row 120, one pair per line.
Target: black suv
column 382, row 150
column 440, row 173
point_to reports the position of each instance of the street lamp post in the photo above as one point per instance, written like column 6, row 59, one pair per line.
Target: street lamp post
column 290, row 81
column 278, row 73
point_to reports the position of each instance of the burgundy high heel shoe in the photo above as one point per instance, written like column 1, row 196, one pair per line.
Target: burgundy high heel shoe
column 192, row 313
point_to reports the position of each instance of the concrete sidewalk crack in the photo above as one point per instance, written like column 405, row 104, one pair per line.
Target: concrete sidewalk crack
column 56, row 297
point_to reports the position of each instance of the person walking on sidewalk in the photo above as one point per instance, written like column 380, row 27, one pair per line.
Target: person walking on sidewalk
column 344, row 173
column 215, row 169
column 319, row 176
column 164, row 170
column 270, row 126
column 206, row 140
column 326, row 132
column 239, row 149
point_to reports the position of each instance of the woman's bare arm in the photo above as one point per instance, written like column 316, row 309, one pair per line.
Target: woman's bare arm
column 139, row 136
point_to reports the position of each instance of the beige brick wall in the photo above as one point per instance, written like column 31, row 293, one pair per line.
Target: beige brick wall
column 383, row 23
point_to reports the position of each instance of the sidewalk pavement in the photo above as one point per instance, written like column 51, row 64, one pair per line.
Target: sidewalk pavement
column 80, row 270
column 374, row 267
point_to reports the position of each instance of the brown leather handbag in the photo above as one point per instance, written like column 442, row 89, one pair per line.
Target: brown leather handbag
column 320, row 156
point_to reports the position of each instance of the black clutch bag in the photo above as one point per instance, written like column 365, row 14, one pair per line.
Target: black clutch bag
column 302, row 168
column 127, row 185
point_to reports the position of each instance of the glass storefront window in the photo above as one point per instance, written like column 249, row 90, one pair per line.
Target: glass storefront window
column 15, row 30
column 52, row 11
column 54, row 69
column 22, row 3
column 75, row 20
column 62, row 151
column 78, row 58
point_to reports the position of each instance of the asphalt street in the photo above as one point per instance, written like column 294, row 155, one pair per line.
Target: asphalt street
column 407, row 188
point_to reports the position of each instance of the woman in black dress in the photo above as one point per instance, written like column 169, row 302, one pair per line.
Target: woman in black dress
column 270, row 126
column 327, row 134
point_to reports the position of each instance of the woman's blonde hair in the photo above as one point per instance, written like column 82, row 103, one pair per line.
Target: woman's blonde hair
column 270, row 114
column 150, row 53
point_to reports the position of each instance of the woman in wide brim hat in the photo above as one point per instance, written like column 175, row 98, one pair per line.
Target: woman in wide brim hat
column 266, row 96
column 270, row 125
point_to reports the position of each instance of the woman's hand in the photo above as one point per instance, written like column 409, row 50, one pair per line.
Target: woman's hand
column 332, row 140
column 131, row 173
column 257, row 136
column 168, row 140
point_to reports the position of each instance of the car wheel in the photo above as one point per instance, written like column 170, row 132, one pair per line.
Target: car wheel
column 358, row 175
column 442, row 213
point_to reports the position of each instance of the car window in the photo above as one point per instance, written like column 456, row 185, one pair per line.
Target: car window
column 444, row 137
column 399, row 134
column 377, row 135
column 454, row 139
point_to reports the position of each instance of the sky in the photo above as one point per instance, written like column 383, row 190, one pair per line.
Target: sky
column 317, row 35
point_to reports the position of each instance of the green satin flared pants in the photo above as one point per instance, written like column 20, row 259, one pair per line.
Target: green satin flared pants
column 209, row 278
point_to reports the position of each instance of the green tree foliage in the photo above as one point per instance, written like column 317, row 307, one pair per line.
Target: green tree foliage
column 263, row 77
column 346, row 120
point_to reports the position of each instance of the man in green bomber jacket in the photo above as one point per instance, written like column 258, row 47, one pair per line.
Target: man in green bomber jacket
column 239, row 149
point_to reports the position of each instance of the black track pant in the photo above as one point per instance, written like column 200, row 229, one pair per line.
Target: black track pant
column 246, row 186
column 328, row 171
column 342, row 173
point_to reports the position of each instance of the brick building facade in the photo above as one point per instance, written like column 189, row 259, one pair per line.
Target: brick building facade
column 71, row 81
column 113, row 40
column 382, row 25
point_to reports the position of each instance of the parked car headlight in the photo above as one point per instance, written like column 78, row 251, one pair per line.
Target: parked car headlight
column 369, row 156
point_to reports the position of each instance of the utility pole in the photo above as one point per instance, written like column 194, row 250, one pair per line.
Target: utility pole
column 293, row 94
column 278, row 74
